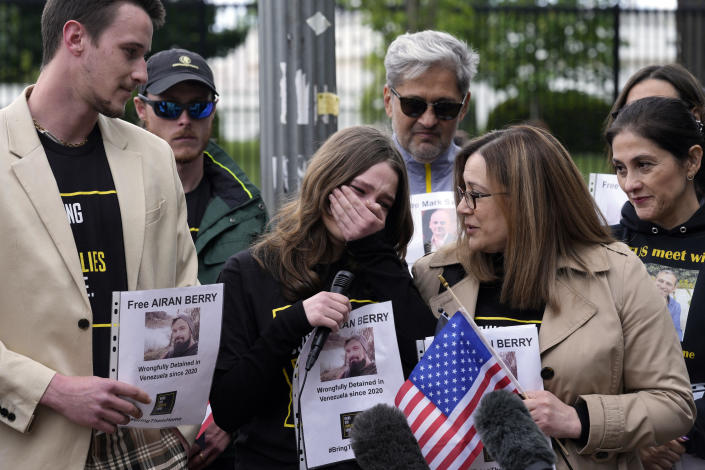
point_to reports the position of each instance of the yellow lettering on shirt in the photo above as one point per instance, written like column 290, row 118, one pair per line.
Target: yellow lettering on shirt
column 92, row 261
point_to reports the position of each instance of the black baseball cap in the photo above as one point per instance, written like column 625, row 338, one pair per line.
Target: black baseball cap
column 167, row 68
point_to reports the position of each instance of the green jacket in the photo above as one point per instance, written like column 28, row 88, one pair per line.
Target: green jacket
column 234, row 217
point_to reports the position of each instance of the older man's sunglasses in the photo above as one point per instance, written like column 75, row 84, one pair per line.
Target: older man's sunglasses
column 172, row 110
column 415, row 107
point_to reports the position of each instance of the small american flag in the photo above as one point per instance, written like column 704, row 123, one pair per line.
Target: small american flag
column 443, row 391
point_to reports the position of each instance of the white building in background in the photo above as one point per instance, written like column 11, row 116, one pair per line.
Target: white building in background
column 649, row 39
column 237, row 80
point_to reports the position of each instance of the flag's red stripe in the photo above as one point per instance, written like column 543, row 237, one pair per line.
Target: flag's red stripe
column 402, row 391
column 437, row 423
column 418, row 396
column 446, row 439
column 459, row 447
column 471, row 458
column 207, row 422
column 503, row 383
column 428, row 409
column 487, row 377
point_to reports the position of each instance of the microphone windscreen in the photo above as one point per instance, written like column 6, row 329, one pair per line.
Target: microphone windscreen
column 341, row 282
column 509, row 434
column 382, row 440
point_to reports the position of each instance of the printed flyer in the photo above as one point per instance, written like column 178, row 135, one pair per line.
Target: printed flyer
column 156, row 346
column 358, row 368
column 608, row 196
column 434, row 223
column 518, row 348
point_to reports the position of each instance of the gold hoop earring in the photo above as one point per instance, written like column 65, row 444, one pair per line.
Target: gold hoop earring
column 690, row 177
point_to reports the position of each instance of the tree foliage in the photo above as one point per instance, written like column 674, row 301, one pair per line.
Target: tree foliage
column 577, row 135
column 189, row 25
column 526, row 47
column 20, row 41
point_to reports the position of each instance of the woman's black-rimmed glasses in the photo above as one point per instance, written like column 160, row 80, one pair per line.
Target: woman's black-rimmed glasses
column 172, row 110
column 415, row 107
column 474, row 196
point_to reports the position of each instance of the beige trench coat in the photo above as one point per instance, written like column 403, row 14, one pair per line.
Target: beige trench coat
column 612, row 345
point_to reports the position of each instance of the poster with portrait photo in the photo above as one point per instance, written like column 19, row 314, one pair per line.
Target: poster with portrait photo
column 439, row 228
column 349, row 355
column 171, row 335
column 156, row 346
column 435, row 223
column 358, row 367
column 676, row 286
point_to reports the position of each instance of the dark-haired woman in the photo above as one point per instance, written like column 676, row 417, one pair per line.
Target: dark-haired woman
column 352, row 213
column 670, row 81
column 533, row 250
column 657, row 148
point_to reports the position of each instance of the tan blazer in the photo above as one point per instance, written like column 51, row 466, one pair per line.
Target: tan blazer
column 42, row 291
column 612, row 345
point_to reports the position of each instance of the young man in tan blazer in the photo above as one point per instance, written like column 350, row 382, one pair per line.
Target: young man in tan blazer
column 89, row 204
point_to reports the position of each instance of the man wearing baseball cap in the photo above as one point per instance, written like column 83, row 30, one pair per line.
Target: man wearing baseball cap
column 225, row 210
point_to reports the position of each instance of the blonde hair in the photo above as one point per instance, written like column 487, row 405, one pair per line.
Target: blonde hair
column 299, row 239
column 549, row 212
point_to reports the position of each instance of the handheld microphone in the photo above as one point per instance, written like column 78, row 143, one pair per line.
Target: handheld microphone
column 341, row 284
column 382, row 440
column 510, row 435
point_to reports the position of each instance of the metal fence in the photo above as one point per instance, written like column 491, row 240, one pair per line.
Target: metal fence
column 560, row 66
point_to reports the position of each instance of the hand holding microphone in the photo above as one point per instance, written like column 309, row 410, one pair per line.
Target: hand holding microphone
column 326, row 310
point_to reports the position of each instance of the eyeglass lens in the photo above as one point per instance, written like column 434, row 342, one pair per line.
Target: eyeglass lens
column 470, row 197
column 415, row 107
column 172, row 110
column 444, row 110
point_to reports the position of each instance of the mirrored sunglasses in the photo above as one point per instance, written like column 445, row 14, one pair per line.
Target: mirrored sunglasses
column 172, row 110
column 415, row 107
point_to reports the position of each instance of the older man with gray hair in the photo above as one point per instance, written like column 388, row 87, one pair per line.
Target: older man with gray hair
column 426, row 96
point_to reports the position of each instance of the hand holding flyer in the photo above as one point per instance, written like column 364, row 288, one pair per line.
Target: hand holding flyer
column 359, row 367
column 156, row 345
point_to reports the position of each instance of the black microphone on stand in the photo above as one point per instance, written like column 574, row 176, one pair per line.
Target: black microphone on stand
column 341, row 284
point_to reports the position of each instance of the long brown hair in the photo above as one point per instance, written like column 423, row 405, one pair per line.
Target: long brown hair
column 549, row 212
column 299, row 239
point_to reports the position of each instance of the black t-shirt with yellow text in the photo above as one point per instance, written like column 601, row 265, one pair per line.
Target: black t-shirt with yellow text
column 90, row 200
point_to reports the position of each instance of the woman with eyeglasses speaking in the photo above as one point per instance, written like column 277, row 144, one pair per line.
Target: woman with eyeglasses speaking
column 533, row 249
